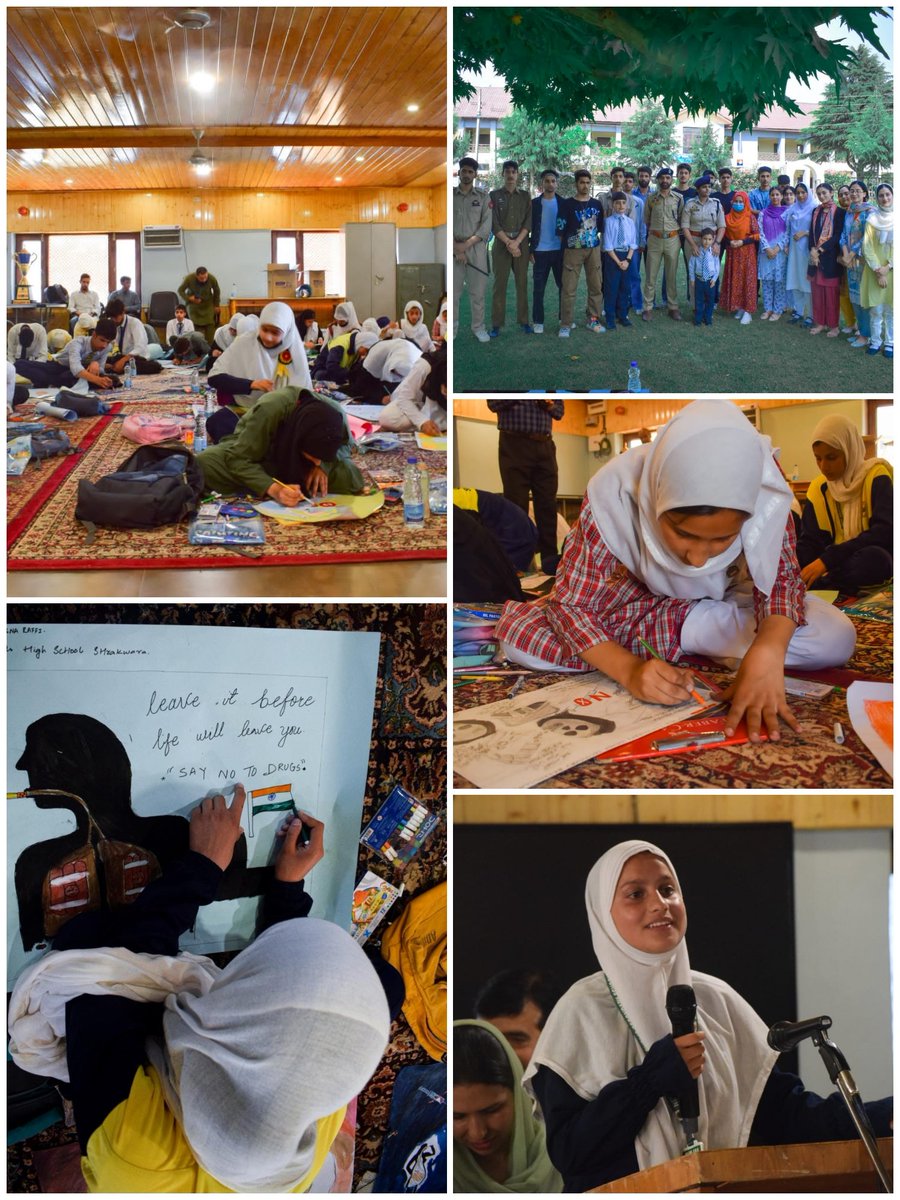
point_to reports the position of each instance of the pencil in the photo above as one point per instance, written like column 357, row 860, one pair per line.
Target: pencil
column 652, row 652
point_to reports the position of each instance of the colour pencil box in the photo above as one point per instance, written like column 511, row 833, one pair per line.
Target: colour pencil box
column 399, row 828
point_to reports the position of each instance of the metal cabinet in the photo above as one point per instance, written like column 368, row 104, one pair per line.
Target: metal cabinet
column 371, row 267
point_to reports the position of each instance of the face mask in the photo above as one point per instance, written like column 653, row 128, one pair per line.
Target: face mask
column 738, row 207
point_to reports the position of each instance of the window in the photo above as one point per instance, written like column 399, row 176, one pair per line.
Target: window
column 880, row 422
column 71, row 255
column 601, row 139
column 127, row 261
column 312, row 250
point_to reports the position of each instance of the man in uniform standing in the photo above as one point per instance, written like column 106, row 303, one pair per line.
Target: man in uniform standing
column 471, row 233
column 511, row 210
column 662, row 216
column 200, row 291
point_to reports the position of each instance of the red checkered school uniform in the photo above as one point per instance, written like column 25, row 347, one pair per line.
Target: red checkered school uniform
column 597, row 599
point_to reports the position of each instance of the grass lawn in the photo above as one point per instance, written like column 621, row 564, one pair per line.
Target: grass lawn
column 672, row 356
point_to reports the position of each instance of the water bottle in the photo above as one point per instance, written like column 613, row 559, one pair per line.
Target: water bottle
column 413, row 505
column 199, row 433
column 795, row 473
column 634, row 378
column 210, row 402
column 195, row 381
column 425, row 485
column 129, row 373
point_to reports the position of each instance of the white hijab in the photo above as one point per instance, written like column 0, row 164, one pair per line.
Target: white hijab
column 605, row 1024
column 248, row 358
column 840, row 433
column 417, row 333
column 248, row 324
column 442, row 320
column 253, row 1055
column 344, row 312
column 225, row 334
column 708, row 454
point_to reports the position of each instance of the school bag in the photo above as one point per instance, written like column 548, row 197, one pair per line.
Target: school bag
column 47, row 443
column 156, row 485
column 56, row 294
column 146, row 430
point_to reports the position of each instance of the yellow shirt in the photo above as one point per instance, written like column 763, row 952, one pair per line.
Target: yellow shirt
column 141, row 1147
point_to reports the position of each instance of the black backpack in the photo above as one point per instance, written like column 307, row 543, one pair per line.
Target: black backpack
column 56, row 294
column 157, row 485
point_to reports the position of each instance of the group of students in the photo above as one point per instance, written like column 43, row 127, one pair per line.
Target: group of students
column 597, row 1099
column 834, row 258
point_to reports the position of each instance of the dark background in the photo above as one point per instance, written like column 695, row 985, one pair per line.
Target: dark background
column 518, row 901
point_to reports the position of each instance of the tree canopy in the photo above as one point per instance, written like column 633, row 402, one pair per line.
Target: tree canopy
column 648, row 138
column 563, row 64
column 537, row 146
column 854, row 122
column 708, row 154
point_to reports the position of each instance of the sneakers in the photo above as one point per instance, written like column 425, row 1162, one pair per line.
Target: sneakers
column 527, row 329
column 483, row 335
column 537, row 329
column 746, row 319
column 564, row 331
column 494, row 333
column 857, row 343
column 594, row 326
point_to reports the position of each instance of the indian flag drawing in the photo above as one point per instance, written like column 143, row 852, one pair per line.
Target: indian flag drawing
column 273, row 799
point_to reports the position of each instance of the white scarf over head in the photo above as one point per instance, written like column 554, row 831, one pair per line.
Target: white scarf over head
column 225, row 334
column 344, row 312
column 605, row 1024
column 248, row 358
column 841, row 434
column 253, row 1055
column 442, row 320
column 416, row 333
column 708, row 454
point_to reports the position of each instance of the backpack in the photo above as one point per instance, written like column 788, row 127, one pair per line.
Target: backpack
column 56, row 294
column 156, row 485
column 145, row 430
column 46, row 443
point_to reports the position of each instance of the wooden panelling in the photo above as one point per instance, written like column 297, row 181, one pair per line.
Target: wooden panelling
column 322, row 208
column 337, row 81
column 803, row 810
column 636, row 414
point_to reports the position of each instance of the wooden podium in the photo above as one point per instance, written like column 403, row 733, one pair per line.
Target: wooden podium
column 813, row 1167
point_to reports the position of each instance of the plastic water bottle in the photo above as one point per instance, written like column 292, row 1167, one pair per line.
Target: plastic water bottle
column 199, row 433
column 795, row 473
column 210, row 402
column 129, row 374
column 413, row 504
column 195, row 381
column 634, row 378
column 425, row 485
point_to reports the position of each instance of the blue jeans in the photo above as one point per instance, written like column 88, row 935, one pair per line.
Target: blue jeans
column 545, row 261
column 704, row 300
column 634, row 278
column 616, row 288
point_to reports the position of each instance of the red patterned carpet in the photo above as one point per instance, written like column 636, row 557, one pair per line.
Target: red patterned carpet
column 43, row 534
column 808, row 759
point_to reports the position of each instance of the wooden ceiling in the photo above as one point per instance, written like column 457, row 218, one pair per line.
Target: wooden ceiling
column 302, row 97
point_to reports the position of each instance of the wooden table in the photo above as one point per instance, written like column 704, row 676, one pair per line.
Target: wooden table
column 51, row 316
column 322, row 306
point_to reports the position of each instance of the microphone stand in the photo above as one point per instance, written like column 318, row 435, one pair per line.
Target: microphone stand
column 839, row 1073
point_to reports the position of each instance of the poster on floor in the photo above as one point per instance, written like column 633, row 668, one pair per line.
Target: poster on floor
column 115, row 733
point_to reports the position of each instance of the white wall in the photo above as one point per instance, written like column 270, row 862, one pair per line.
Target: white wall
column 790, row 429
column 237, row 258
column 421, row 246
column 475, row 460
column 843, row 967
column 439, row 235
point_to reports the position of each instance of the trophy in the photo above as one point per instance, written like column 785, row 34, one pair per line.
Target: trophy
column 23, row 260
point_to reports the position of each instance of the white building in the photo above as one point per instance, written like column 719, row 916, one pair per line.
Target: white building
column 775, row 141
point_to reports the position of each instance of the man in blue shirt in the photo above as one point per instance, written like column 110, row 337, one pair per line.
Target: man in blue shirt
column 759, row 197
column 546, row 244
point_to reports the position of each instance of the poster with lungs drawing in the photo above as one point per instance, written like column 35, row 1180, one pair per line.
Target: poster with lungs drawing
column 115, row 733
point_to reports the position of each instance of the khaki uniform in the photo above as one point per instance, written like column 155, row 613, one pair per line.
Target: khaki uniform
column 608, row 204
column 662, row 216
column 471, row 216
column 511, row 212
column 696, row 216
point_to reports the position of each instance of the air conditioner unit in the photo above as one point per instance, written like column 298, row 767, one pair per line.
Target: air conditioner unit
column 161, row 237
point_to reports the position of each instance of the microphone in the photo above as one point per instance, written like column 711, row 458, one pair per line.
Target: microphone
column 787, row 1035
column 681, row 1007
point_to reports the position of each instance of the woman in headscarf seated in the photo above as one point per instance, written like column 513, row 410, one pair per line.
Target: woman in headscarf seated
column 377, row 374
column 412, row 327
column 186, row 1077
column 57, row 340
column 27, row 341
column 499, row 1143
column 420, row 400
column 606, row 1065
column 257, row 363
column 289, row 445
column 336, row 359
column 847, row 529
column 84, row 325
column 345, row 320
column 225, row 335
column 439, row 325
column 308, row 328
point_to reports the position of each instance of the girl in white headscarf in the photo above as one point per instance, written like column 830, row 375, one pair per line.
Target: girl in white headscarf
column 686, row 544
column 225, row 335
column 412, row 327
column 439, row 325
column 877, row 286
column 345, row 320
column 189, row 1078
column 606, row 1065
column 847, row 531
column 255, row 364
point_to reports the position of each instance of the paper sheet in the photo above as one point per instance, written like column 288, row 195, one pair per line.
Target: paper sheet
column 178, row 713
column 871, row 710
column 424, row 442
column 332, row 507
column 519, row 742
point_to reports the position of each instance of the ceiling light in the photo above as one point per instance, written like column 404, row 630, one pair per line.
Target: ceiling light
column 412, row 108
column 360, row 158
column 70, row 181
column 204, row 168
column 260, row 194
column 201, row 81
column 338, row 178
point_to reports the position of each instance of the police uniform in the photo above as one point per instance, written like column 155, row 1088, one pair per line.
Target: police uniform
column 471, row 217
column 511, row 212
column 696, row 216
column 662, row 216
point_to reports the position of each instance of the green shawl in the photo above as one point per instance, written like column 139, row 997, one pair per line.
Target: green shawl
column 530, row 1167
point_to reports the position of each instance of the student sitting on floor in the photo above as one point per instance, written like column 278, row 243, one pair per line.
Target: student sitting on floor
column 335, row 360
column 84, row 325
column 225, row 335
column 58, row 339
column 439, row 325
column 132, row 340
column 191, row 350
column 308, row 328
column 378, row 373
column 420, row 400
column 291, row 443
column 345, row 321
column 82, row 358
column 180, row 325
column 255, row 364
column 412, row 327
column 187, row 1077
column 28, row 341
column 847, row 529
column 687, row 545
